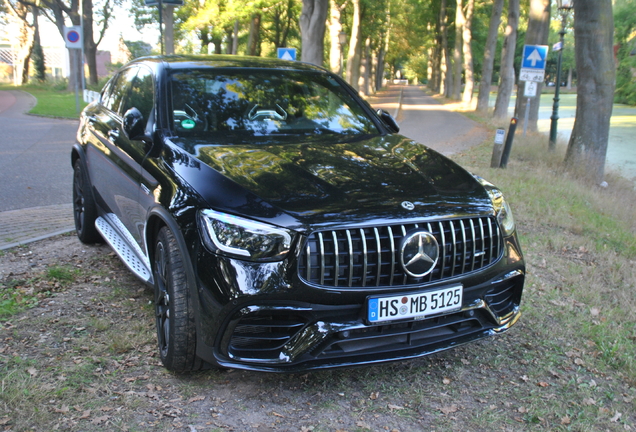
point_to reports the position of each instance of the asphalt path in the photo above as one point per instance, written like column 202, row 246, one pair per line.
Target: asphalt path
column 35, row 167
column 424, row 119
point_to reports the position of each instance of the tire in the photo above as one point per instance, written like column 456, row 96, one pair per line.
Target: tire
column 84, row 207
column 176, row 329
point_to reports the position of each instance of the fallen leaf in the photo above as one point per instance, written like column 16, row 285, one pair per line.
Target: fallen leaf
column 32, row 371
column 449, row 409
column 86, row 414
column 595, row 312
column 196, row 399
column 363, row 425
column 616, row 417
column 64, row 409
column 274, row 413
column 522, row 410
column 589, row 401
column 5, row 421
column 374, row 395
column 100, row 420
column 446, row 381
column 525, row 378
column 579, row 361
column 566, row 420
column 543, row 384
column 395, row 407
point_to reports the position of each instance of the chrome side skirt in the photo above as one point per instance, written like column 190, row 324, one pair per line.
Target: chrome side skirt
column 122, row 242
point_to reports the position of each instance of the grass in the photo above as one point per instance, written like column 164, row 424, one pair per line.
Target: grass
column 51, row 101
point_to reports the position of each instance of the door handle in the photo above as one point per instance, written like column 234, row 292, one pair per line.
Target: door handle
column 113, row 134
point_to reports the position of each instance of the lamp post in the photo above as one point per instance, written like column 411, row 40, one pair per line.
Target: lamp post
column 564, row 6
column 342, row 38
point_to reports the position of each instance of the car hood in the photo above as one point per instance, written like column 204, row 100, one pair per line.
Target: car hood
column 324, row 182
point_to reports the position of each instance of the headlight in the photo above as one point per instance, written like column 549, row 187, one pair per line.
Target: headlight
column 502, row 209
column 243, row 238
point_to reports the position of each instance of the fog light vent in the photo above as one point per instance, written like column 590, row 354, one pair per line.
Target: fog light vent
column 263, row 337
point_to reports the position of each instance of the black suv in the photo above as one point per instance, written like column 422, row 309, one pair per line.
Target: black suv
column 283, row 223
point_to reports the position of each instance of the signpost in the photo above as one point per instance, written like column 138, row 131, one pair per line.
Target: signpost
column 532, row 72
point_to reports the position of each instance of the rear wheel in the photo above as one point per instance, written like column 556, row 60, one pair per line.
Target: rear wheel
column 176, row 330
column 84, row 208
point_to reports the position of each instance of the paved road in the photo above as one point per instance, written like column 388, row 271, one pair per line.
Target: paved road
column 35, row 168
column 425, row 120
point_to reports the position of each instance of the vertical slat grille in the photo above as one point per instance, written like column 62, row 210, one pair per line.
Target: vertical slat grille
column 370, row 256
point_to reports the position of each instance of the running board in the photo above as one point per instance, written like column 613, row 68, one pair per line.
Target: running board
column 116, row 240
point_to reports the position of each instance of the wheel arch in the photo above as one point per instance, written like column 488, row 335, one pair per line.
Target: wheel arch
column 157, row 219
column 77, row 152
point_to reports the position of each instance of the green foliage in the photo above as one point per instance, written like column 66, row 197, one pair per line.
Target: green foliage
column 37, row 57
column 138, row 48
column 15, row 296
column 625, row 35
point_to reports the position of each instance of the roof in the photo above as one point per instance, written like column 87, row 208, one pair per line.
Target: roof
column 227, row 61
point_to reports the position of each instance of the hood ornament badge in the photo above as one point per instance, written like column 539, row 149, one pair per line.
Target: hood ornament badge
column 419, row 253
column 408, row 205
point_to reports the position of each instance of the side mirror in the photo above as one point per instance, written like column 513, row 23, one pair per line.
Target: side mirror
column 134, row 125
column 388, row 120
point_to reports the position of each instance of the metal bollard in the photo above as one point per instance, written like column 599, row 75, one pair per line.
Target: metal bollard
column 511, row 136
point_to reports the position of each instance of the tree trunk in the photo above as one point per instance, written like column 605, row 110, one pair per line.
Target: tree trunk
column 467, row 33
column 37, row 55
column 235, row 38
column 489, row 57
column 254, row 41
column 366, row 73
column 379, row 72
column 335, row 27
column 457, row 52
column 593, row 35
column 312, row 28
column 446, row 78
column 353, row 60
column 537, row 34
column 90, row 48
column 168, row 29
column 507, row 71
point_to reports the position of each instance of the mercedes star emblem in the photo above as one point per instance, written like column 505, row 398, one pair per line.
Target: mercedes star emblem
column 408, row 205
column 419, row 253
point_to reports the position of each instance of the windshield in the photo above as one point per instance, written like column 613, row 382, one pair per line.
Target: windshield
column 222, row 105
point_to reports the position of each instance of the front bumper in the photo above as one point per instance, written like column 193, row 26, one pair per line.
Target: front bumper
column 288, row 326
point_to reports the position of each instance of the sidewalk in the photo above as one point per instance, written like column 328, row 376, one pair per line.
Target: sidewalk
column 18, row 227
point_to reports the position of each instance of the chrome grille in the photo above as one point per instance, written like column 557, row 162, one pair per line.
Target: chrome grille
column 368, row 257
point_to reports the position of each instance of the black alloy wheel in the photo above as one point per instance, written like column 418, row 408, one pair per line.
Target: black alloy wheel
column 176, row 331
column 84, row 208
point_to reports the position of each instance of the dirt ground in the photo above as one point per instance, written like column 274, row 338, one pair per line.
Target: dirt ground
column 84, row 358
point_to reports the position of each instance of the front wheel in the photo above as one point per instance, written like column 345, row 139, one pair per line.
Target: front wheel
column 176, row 330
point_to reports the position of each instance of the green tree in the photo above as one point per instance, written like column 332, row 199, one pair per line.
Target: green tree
column 625, row 27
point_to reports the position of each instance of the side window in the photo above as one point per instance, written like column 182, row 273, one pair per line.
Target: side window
column 141, row 93
column 118, row 90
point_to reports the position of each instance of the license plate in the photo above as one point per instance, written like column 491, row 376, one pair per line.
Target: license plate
column 415, row 306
